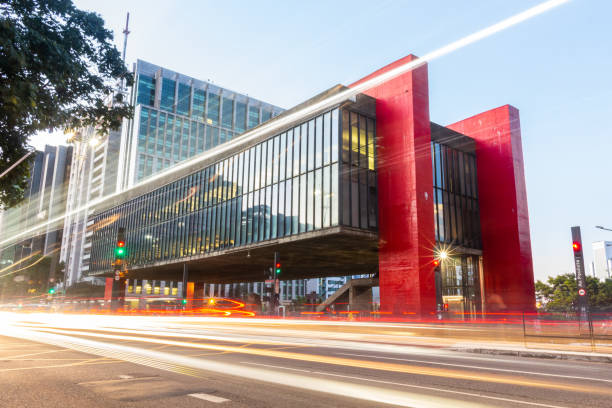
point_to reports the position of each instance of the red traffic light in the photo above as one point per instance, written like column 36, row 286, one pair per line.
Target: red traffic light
column 278, row 265
column 436, row 262
column 120, row 244
column 576, row 246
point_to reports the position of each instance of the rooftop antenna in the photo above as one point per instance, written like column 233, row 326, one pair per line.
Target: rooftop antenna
column 126, row 32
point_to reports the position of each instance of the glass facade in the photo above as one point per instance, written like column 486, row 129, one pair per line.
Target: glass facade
column 359, row 198
column 190, row 117
column 285, row 185
column 456, row 215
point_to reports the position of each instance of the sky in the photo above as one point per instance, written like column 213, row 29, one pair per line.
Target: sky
column 556, row 69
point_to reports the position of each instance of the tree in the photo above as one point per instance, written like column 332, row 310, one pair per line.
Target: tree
column 560, row 293
column 58, row 69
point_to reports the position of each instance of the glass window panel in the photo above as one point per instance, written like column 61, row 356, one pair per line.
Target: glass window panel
column 146, row 90
column 334, row 194
column 280, row 214
column 184, row 99
column 304, row 203
column 287, row 211
column 250, row 219
column 327, row 138
column 198, row 104
column 354, row 139
column 318, row 198
column 283, row 156
column 296, row 151
column 212, row 112
column 265, row 115
column 256, row 216
column 275, row 158
column 296, row 206
column 263, row 211
column 326, row 196
column 309, row 203
column 318, row 141
column 257, row 162
column 304, row 148
column 311, row 145
column 227, row 113
column 270, row 162
column 167, row 94
column 346, row 141
column 253, row 116
column 240, row 124
column 289, row 154
column 334, row 135
column 274, row 213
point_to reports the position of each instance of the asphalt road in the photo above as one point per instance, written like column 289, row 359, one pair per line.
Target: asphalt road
column 105, row 361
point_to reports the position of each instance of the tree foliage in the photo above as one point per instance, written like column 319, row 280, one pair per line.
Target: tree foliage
column 58, row 69
column 560, row 293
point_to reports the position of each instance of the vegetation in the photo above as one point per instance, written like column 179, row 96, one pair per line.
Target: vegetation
column 58, row 67
column 560, row 293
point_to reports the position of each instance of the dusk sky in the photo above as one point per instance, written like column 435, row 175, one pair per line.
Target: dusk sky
column 555, row 68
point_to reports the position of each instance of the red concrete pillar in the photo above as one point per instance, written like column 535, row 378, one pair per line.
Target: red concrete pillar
column 504, row 218
column 108, row 290
column 405, row 191
column 189, row 295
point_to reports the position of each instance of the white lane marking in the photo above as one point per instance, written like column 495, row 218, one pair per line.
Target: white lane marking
column 208, row 397
column 275, row 366
column 125, row 377
column 410, row 385
column 442, row 390
column 477, row 367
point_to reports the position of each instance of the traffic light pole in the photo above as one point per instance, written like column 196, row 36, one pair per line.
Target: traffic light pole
column 583, row 304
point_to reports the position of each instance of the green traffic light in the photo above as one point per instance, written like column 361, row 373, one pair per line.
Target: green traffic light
column 184, row 301
column 51, row 291
column 119, row 252
column 278, row 271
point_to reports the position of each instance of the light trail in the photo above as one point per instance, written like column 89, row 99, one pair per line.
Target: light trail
column 325, row 359
column 291, row 117
column 179, row 363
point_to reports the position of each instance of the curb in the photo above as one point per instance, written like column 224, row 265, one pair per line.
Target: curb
column 606, row 358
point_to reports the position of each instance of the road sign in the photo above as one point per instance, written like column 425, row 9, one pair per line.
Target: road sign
column 580, row 275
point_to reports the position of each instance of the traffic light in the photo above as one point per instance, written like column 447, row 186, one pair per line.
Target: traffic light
column 576, row 246
column 51, row 291
column 436, row 262
column 120, row 246
column 184, row 301
column 277, row 264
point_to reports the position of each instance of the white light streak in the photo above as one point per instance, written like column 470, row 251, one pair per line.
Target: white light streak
column 287, row 119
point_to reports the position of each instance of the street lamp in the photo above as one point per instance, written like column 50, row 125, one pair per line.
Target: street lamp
column 603, row 228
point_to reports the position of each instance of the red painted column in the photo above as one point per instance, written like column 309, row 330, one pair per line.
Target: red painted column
column 405, row 190
column 504, row 219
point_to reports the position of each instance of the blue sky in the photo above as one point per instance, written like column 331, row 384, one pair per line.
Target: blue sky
column 556, row 69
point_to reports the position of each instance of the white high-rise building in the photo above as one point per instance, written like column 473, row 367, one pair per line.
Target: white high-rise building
column 602, row 259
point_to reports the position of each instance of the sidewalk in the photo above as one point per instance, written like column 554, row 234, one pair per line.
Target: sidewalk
column 514, row 350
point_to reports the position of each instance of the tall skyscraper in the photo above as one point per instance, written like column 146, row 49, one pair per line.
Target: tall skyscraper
column 177, row 117
column 44, row 201
column 602, row 259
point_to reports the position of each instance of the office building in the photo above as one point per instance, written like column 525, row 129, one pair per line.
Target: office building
column 602, row 259
column 366, row 185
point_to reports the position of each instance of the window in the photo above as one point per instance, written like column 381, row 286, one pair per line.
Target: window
column 146, row 90
column 167, row 94
column 184, row 99
column 240, row 125
column 253, row 116
column 227, row 113
column 199, row 104
column 212, row 112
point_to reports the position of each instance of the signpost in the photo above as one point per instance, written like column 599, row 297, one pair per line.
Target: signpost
column 583, row 305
